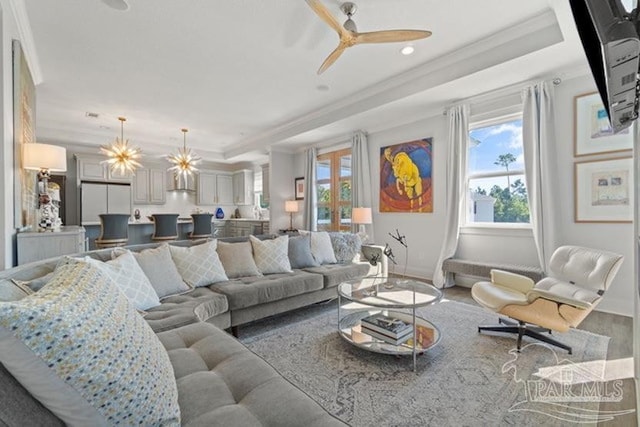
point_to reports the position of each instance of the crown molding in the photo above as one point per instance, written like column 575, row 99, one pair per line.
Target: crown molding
column 526, row 37
column 19, row 13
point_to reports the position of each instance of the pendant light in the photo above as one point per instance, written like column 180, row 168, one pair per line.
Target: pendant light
column 121, row 157
column 185, row 161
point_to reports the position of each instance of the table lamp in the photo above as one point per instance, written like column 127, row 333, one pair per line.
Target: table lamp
column 291, row 207
column 361, row 216
column 46, row 159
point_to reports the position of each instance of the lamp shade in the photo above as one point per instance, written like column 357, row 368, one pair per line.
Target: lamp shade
column 44, row 156
column 291, row 206
column 361, row 216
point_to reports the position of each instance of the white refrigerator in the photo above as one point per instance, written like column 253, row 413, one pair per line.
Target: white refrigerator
column 98, row 198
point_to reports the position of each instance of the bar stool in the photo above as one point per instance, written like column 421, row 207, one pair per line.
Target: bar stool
column 114, row 230
column 202, row 227
column 165, row 227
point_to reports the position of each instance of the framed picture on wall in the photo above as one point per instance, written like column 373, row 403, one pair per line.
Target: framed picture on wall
column 592, row 131
column 603, row 190
column 299, row 188
column 405, row 177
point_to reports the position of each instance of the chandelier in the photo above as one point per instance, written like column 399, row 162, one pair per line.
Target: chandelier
column 185, row 161
column 121, row 157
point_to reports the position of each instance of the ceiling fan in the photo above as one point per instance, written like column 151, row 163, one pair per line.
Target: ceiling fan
column 350, row 36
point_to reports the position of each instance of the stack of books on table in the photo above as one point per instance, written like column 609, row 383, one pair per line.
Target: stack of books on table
column 387, row 328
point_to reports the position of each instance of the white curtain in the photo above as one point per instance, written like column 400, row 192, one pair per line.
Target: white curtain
column 361, row 177
column 310, row 211
column 539, row 157
column 456, row 169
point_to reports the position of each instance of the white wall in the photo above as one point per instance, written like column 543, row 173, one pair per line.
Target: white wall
column 424, row 231
column 613, row 237
column 281, row 176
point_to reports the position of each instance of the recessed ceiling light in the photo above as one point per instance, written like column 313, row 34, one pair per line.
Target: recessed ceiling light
column 322, row 88
column 117, row 4
column 407, row 50
column 91, row 115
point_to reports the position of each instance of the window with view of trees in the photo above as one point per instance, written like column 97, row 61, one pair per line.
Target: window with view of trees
column 497, row 192
column 333, row 174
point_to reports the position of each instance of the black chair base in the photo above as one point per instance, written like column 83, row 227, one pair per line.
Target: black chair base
column 522, row 329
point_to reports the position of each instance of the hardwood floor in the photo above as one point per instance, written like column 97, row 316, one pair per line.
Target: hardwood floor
column 618, row 328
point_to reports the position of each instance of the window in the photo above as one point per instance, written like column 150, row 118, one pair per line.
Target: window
column 333, row 174
column 497, row 192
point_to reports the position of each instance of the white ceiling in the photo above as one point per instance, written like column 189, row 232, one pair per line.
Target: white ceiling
column 241, row 74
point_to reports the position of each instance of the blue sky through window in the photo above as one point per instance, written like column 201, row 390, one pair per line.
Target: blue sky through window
column 489, row 142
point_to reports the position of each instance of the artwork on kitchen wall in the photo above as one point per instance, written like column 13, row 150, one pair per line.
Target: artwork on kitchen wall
column 24, row 120
column 592, row 132
column 405, row 177
column 604, row 190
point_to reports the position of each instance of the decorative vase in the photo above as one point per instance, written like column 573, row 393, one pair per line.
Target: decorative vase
column 219, row 213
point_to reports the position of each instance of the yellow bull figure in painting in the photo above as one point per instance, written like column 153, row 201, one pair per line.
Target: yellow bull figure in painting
column 407, row 175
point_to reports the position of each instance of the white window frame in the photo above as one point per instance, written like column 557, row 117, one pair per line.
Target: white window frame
column 497, row 119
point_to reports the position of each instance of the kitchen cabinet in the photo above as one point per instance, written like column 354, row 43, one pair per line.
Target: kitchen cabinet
column 214, row 188
column 99, row 198
column 243, row 187
column 92, row 168
column 149, row 187
column 240, row 228
column 219, row 229
column 35, row 246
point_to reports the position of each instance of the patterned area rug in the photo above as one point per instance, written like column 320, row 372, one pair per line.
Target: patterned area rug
column 467, row 379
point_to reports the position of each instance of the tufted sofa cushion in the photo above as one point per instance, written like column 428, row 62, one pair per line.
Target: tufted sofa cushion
column 253, row 290
column 222, row 383
column 199, row 305
column 333, row 274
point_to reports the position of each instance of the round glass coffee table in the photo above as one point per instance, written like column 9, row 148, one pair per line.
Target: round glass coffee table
column 391, row 303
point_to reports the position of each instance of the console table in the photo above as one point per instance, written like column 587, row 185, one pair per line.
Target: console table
column 34, row 245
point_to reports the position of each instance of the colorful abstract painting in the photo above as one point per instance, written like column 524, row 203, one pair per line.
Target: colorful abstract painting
column 405, row 177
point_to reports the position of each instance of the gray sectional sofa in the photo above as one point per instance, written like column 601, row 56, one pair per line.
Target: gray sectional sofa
column 219, row 381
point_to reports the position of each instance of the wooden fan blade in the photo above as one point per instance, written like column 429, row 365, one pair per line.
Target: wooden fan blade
column 391, row 36
column 326, row 16
column 331, row 58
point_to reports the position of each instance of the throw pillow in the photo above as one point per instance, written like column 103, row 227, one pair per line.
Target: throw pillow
column 237, row 259
column 271, row 255
column 321, row 247
column 300, row 252
column 35, row 284
column 12, row 290
column 199, row 265
column 81, row 349
column 160, row 270
column 129, row 277
column 345, row 246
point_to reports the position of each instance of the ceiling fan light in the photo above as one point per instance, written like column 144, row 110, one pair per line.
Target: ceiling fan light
column 407, row 50
column 350, row 25
column 117, row 4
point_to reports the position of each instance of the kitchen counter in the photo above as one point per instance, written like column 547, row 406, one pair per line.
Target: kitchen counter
column 142, row 230
column 180, row 221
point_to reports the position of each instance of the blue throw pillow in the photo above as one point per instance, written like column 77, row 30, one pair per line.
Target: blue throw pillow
column 300, row 252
